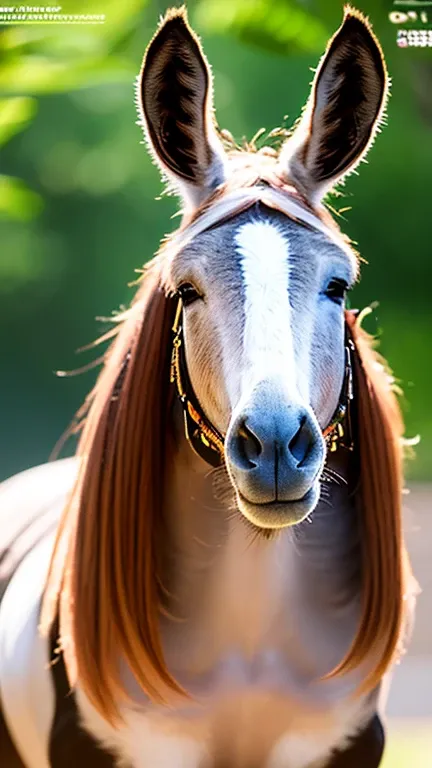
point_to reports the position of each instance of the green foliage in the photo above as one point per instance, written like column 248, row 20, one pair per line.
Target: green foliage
column 280, row 27
column 16, row 200
column 39, row 74
column 14, row 116
column 44, row 59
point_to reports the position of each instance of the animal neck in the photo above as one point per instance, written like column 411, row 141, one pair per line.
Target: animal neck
column 229, row 590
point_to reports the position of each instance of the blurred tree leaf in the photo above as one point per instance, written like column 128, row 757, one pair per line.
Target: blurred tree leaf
column 37, row 262
column 14, row 116
column 16, row 200
column 39, row 74
column 54, row 58
column 118, row 15
column 281, row 27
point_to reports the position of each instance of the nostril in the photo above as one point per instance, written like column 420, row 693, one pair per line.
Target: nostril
column 301, row 444
column 248, row 445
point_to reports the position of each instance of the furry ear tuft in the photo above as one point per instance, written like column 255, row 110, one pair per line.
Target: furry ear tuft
column 175, row 101
column 346, row 105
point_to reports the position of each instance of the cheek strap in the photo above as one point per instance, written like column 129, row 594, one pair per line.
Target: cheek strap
column 339, row 431
column 204, row 438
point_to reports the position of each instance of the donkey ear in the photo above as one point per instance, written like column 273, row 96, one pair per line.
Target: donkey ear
column 175, row 101
column 344, row 110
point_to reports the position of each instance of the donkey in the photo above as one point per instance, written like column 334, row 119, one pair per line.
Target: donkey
column 219, row 579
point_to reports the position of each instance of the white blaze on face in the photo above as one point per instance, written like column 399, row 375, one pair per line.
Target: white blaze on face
column 268, row 340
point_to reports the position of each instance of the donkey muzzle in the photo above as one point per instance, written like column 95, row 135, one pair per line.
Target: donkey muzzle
column 275, row 453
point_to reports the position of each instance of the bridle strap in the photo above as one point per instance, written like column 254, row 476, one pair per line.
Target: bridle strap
column 339, row 431
column 205, row 438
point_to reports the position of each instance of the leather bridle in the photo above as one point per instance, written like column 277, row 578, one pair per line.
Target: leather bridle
column 205, row 438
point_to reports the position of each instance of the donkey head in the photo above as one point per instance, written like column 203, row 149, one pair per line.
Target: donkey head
column 263, row 295
column 261, row 272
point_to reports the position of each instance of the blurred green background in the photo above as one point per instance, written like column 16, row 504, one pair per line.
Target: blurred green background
column 77, row 191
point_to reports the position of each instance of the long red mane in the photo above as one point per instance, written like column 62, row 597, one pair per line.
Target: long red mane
column 386, row 573
column 107, row 585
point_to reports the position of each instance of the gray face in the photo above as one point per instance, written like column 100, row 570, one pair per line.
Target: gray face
column 265, row 352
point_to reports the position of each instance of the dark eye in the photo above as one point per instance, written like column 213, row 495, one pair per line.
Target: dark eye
column 336, row 290
column 188, row 293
